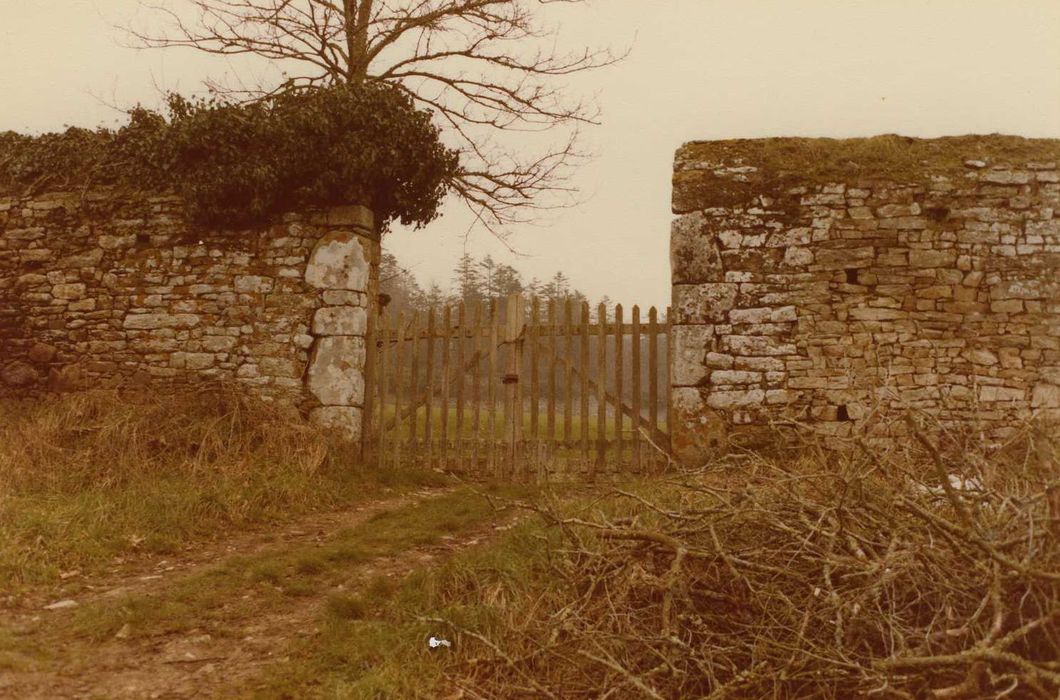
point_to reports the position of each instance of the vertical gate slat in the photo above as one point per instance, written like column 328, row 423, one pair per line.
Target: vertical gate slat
column 511, row 371
column 584, row 393
column 519, row 452
column 669, row 384
column 414, row 389
column 428, row 423
column 553, row 344
column 513, row 414
column 476, row 393
column 399, row 351
column 383, row 338
column 371, row 357
column 653, row 377
column 601, row 387
column 491, row 443
column 635, row 363
column 533, row 443
column 461, row 336
column 447, row 331
column 619, row 418
column 568, row 376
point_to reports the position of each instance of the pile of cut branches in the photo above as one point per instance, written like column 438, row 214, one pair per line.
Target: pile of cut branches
column 839, row 574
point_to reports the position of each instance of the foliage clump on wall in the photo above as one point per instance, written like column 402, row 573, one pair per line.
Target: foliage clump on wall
column 236, row 164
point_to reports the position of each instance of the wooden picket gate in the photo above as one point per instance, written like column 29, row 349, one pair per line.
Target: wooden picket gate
column 519, row 389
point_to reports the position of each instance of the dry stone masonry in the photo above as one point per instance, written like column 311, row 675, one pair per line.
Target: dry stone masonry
column 842, row 302
column 103, row 288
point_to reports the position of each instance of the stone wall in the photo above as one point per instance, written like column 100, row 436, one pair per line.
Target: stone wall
column 842, row 302
column 109, row 289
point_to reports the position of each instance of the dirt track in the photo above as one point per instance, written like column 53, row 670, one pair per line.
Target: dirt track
column 201, row 661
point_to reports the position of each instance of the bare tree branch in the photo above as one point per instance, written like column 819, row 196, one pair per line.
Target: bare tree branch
column 487, row 69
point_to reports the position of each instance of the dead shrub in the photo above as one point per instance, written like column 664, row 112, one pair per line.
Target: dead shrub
column 860, row 572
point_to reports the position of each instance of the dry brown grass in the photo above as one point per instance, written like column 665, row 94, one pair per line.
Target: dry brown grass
column 84, row 477
column 103, row 439
column 814, row 573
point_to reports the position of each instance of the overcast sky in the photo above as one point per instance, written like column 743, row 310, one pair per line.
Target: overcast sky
column 699, row 69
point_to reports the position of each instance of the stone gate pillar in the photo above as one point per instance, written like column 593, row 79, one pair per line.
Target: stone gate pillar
column 344, row 265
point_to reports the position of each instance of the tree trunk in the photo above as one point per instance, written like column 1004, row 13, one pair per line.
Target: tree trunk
column 357, row 15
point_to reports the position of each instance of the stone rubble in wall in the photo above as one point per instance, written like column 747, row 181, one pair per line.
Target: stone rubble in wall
column 108, row 289
column 835, row 300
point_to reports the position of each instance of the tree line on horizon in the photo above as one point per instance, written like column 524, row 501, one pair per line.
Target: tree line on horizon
column 476, row 281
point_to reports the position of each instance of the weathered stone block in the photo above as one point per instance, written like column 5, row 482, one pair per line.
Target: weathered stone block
column 728, row 400
column 339, row 261
column 690, row 348
column 218, row 343
column 694, row 255
column 114, row 242
column 343, row 421
column 717, row 360
column 793, row 237
column 340, row 320
column 989, row 394
column 1045, row 396
column 763, row 315
column 42, row 353
column 344, row 298
column 1017, row 289
column 198, row 360
column 877, row 314
column 284, row 367
column 703, row 303
column 25, row 234
column 939, row 291
column 798, row 257
column 1006, row 177
column 726, row 376
column 932, row 258
column 351, row 216
column 68, row 291
column 757, row 345
column 698, row 433
column 841, row 258
column 152, row 321
column 335, row 375
column 980, row 356
column 18, row 374
column 252, row 284
column 888, row 211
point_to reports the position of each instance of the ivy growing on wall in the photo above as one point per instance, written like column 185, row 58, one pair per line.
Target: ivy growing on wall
column 236, row 164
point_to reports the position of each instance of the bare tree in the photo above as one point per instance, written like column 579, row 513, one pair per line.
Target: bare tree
column 486, row 68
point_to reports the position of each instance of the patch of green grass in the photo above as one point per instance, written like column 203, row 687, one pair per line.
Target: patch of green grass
column 560, row 457
column 17, row 653
column 301, row 570
column 372, row 645
column 346, row 607
column 382, row 651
